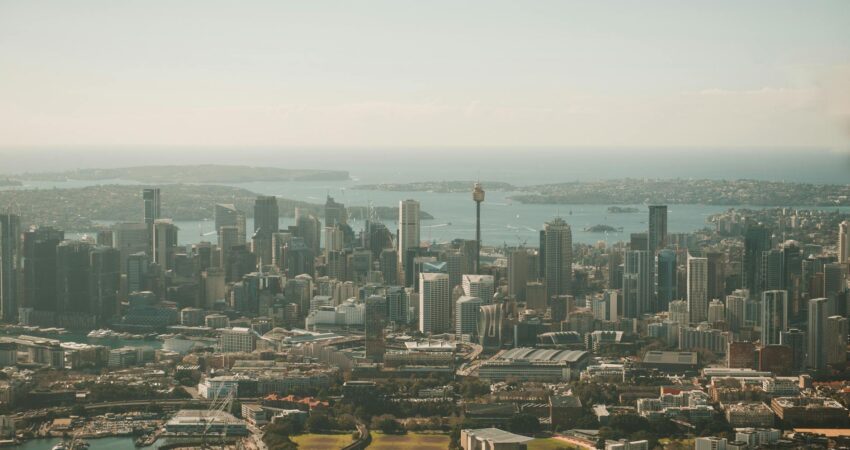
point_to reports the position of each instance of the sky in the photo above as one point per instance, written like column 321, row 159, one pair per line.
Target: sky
column 387, row 74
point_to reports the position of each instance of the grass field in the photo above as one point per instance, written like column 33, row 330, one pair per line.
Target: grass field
column 322, row 441
column 419, row 441
column 549, row 444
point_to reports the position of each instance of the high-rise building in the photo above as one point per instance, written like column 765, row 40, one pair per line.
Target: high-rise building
column 73, row 276
column 467, row 312
column 697, row 289
column 796, row 339
column 716, row 275
column 736, row 309
column 10, row 235
column 774, row 316
column 153, row 211
column 678, row 312
column 39, row 267
column 716, row 311
column 228, row 238
column 335, row 213
column 434, row 303
column 756, row 242
column 105, row 282
column 164, row 243
column 835, row 340
column 388, row 264
column 535, row 296
column 226, row 215
column 491, row 324
column 557, row 257
column 518, row 269
column 479, row 286
column 637, row 284
column 266, row 223
column 408, row 229
column 374, row 320
column 657, row 236
column 131, row 238
column 844, row 242
column 153, row 205
column 666, row 278
column 137, row 272
column 309, row 228
column 816, row 355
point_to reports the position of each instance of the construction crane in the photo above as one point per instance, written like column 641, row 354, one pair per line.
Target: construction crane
column 217, row 406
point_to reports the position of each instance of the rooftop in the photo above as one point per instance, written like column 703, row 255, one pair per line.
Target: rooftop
column 552, row 355
column 498, row 436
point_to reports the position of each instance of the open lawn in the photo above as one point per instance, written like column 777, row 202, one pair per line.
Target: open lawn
column 419, row 441
column 549, row 444
column 322, row 441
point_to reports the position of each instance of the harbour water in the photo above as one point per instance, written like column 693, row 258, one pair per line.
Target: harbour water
column 504, row 222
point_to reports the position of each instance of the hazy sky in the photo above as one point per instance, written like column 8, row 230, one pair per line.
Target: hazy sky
column 425, row 73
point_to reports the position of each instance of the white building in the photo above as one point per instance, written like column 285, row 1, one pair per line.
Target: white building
column 480, row 286
column 237, row 339
column 434, row 303
column 467, row 311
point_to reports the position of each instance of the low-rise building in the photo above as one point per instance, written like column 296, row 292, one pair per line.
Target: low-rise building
column 756, row 414
column 492, row 439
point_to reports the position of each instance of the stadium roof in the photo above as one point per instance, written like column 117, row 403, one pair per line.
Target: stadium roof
column 496, row 435
column 533, row 354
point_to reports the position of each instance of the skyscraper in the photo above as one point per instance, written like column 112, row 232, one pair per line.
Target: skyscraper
column 467, row 311
column 105, row 282
column 557, row 247
column 228, row 237
column 716, row 275
column 697, row 289
column 73, row 275
column 479, row 286
column 844, row 242
column 226, row 215
column 774, row 321
column 131, row 238
column 10, row 231
column 374, row 320
column 518, row 262
column 308, row 227
column 152, row 205
column 164, row 243
column 756, row 242
column 335, row 213
column 39, row 266
column 736, row 309
column 835, row 340
column 266, row 223
column 408, row 229
column 816, row 355
column 666, row 279
column 637, row 284
column 434, row 303
column 657, row 236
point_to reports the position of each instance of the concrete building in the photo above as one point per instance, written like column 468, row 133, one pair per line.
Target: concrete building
column 408, row 229
column 480, row 286
column 492, row 439
column 697, row 289
column 467, row 313
column 774, row 316
column 434, row 303
column 556, row 256
column 237, row 339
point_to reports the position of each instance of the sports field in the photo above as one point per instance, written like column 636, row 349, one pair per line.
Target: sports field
column 418, row 441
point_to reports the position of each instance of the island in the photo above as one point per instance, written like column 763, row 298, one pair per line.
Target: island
column 622, row 209
column 201, row 173
column 602, row 229
column 80, row 209
column 632, row 191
